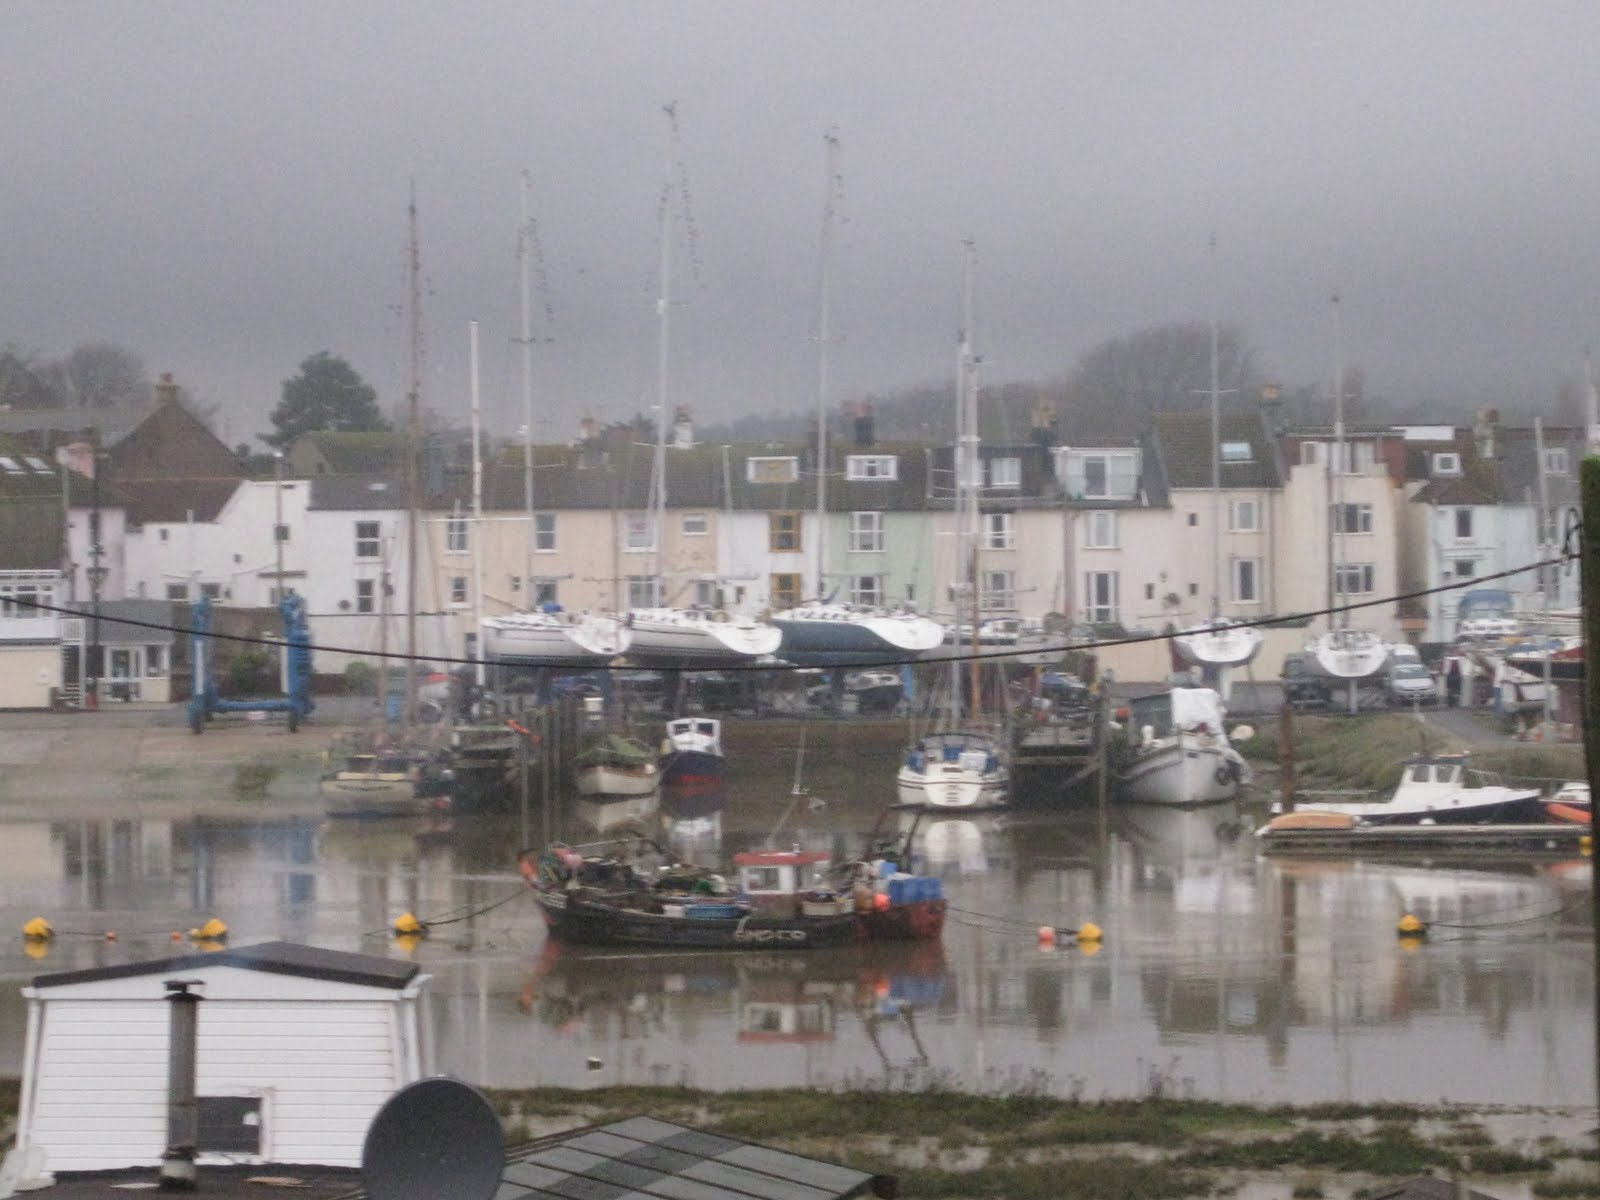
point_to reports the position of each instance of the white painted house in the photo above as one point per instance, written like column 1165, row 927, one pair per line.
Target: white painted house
column 296, row 1050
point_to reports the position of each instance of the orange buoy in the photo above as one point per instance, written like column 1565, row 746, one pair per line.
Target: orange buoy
column 1047, row 936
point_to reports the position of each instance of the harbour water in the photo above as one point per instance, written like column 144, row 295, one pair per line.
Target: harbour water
column 1222, row 973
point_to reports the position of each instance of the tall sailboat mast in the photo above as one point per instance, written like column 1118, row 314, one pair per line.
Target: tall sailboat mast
column 658, row 469
column 1338, row 465
column 477, row 512
column 1216, row 448
column 824, row 334
column 413, row 461
column 968, row 472
column 525, row 341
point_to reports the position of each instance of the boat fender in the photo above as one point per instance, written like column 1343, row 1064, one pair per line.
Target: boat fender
column 1224, row 774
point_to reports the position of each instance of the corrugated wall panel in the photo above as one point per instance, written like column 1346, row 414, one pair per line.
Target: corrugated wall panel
column 325, row 1069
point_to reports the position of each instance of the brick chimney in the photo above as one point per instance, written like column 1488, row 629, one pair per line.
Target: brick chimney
column 166, row 389
column 682, row 429
column 1483, row 431
column 866, row 434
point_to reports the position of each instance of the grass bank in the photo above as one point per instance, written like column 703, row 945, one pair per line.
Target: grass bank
column 1364, row 752
column 944, row 1144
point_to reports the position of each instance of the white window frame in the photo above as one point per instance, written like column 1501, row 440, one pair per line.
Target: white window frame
column 366, row 595
column 1237, row 510
column 695, row 524
column 998, row 590
column 1361, row 514
column 644, row 591
column 1235, row 452
column 456, row 538
column 1457, row 571
column 999, row 531
column 544, row 592
column 1446, row 462
column 866, row 589
column 866, row 533
column 638, row 533
column 1241, row 572
column 1095, row 610
column 705, row 593
column 1101, row 532
column 1363, row 575
column 459, row 596
column 772, row 469
column 369, row 544
column 544, row 533
column 1555, row 461
column 1463, row 516
column 1005, row 472
column 872, row 466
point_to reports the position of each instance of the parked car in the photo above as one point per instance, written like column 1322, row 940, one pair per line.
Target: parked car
column 1305, row 684
column 1410, row 683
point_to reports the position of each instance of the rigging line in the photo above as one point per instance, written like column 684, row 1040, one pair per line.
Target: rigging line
column 1530, row 920
column 963, row 656
column 522, row 889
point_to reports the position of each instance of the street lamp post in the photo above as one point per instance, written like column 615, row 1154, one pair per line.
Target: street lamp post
column 279, row 533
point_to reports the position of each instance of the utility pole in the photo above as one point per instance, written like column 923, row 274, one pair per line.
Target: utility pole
column 279, row 533
column 96, row 571
column 1589, row 558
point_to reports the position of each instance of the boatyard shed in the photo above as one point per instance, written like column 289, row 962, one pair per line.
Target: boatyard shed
column 296, row 1048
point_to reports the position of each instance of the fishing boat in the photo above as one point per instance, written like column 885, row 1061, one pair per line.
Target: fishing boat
column 691, row 754
column 1434, row 789
column 1176, row 750
column 625, row 893
column 363, row 779
column 551, row 637
column 616, row 765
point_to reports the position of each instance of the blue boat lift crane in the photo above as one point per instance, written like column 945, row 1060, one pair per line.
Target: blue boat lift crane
column 297, row 702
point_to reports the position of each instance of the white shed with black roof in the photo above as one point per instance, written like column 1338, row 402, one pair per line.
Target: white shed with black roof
column 296, row 1048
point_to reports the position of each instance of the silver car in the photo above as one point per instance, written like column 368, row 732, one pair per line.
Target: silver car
column 1410, row 683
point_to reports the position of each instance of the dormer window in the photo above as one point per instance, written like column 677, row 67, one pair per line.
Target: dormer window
column 1235, row 452
column 1555, row 462
column 772, row 470
column 1447, row 464
column 1098, row 474
column 1005, row 472
column 871, row 466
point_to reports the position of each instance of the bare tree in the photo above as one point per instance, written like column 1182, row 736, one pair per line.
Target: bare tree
column 100, row 374
column 1164, row 368
column 25, row 381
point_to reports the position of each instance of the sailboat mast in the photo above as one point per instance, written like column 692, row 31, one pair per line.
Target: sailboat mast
column 477, row 512
column 824, row 333
column 968, row 467
column 658, row 469
column 1338, row 514
column 1216, row 449
column 413, row 461
column 525, row 341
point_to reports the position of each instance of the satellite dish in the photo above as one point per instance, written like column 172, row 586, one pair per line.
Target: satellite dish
column 432, row 1139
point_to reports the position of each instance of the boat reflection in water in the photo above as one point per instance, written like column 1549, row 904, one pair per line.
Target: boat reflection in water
column 761, row 1000
column 691, row 821
column 606, row 814
column 955, row 846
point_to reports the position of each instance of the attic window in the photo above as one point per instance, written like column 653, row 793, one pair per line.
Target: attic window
column 1235, row 452
column 871, row 466
column 1447, row 464
column 1555, row 462
column 41, row 467
column 1005, row 472
column 10, row 466
column 772, row 470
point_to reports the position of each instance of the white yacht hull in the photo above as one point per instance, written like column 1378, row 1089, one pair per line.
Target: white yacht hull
column 1183, row 770
column 1219, row 644
column 1350, row 653
column 678, row 640
column 547, row 639
column 605, row 780
column 953, row 789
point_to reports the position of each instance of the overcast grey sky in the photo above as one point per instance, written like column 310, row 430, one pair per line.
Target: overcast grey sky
column 221, row 187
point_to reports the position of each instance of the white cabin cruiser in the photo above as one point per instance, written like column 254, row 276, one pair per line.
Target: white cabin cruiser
column 1434, row 789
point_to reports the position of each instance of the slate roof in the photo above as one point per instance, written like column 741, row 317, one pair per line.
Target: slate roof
column 30, row 533
column 1185, row 441
column 170, row 500
column 1519, row 465
column 273, row 958
column 366, row 453
column 356, row 493
column 134, row 620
